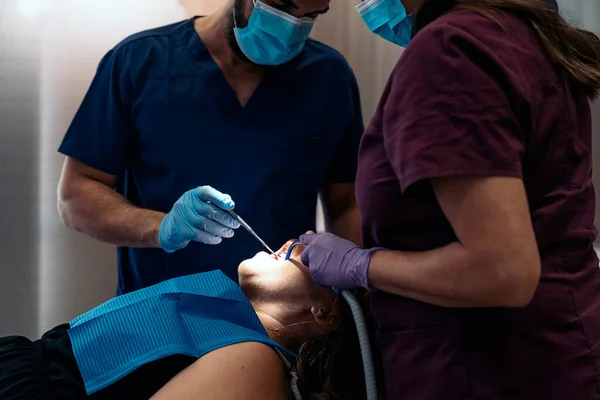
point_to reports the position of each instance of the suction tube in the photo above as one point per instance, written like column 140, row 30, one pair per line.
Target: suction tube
column 363, row 336
column 365, row 346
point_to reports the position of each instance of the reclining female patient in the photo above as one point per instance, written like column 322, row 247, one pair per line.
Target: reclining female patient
column 197, row 337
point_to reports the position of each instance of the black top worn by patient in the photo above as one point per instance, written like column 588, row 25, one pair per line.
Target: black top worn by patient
column 46, row 369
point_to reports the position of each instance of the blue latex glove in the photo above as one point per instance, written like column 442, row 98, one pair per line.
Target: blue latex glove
column 192, row 218
column 336, row 262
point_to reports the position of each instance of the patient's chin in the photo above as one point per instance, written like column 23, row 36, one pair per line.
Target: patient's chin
column 250, row 271
column 244, row 270
column 251, row 286
column 249, row 289
column 245, row 277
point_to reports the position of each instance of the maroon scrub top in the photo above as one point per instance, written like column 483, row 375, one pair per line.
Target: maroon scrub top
column 471, row 96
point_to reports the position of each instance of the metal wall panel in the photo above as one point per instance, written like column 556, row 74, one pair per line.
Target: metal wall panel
column 19, row 160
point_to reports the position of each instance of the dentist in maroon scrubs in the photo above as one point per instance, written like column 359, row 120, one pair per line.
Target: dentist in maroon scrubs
column 477, row 204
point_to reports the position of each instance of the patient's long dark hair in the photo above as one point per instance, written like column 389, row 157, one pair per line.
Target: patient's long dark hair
column 330, row 367
column 575, row 52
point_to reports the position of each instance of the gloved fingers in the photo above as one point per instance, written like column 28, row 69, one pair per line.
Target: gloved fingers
column 317, row 275
column 305, row 257
column 211, row 212
column 307, row 238
column 222, row 217
column 207, row 238
column 209, row 194
column 202, row 223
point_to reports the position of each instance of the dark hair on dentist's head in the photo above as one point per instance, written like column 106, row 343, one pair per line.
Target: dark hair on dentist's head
column 330, row 367
column 574, row 51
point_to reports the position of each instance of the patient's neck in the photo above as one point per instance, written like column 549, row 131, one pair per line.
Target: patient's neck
column 276, row 324
column 276, row 331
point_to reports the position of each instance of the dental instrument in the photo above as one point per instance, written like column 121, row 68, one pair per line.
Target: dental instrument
column 245, row 225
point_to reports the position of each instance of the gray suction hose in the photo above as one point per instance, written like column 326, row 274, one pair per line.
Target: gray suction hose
column 295, row 390
column 365, row 346
column 293, row 375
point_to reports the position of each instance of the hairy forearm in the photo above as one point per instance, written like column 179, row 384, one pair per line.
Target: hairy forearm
column 347, row 225
column 98, row 211
column 449, row 276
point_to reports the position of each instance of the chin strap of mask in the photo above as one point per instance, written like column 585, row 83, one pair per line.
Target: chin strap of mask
column 363, row 339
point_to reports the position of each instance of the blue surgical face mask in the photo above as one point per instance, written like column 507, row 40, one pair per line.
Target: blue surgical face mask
column 272, row 37
column 388, row 19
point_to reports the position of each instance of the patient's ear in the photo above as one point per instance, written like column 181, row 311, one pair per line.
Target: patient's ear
column 328, row 320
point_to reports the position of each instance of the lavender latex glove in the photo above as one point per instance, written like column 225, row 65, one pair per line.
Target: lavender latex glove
column 336, row 262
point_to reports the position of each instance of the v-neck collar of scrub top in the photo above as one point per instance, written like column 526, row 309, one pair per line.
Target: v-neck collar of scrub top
column 194, row 44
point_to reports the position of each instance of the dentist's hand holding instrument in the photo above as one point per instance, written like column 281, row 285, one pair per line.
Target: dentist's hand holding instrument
column 200, row 215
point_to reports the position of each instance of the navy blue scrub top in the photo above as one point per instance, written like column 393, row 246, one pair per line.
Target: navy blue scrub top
column 160, row 115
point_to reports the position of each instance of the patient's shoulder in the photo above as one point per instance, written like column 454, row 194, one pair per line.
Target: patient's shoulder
column 258, row 355
column 247, row 370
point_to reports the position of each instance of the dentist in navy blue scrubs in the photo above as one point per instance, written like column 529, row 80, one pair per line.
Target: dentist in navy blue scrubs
column 181, row 119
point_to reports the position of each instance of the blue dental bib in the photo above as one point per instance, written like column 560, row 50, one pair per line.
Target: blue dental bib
column 191, row 315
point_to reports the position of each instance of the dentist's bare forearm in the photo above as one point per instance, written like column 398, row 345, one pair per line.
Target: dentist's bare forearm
column 436, row 277
column 450, row 276
column 98, row 211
